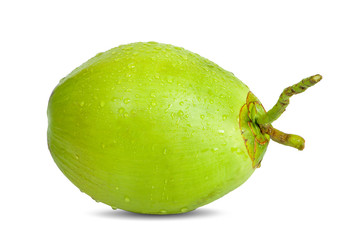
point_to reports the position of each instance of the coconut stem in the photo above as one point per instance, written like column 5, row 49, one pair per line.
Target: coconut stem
column 283, row 100
column 265, row 120
column 284, row 138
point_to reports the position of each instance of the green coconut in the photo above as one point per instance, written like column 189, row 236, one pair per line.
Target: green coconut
column 156, row 129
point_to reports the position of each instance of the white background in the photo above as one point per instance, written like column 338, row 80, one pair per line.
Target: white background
column 267, row 44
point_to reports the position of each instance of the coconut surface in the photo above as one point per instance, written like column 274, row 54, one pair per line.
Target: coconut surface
column 151, row 128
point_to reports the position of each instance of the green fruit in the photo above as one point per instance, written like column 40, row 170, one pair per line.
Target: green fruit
column 152, row 128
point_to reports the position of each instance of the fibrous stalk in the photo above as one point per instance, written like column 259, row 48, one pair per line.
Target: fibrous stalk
column 265, row 120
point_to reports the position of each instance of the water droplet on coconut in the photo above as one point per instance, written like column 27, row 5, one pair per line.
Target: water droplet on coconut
column 126, row 100
column 127, row 199
column 102, row 104
column 131, row 65
column 82, row 103
column 202, row 116
column 163, row 211
column 183, row 210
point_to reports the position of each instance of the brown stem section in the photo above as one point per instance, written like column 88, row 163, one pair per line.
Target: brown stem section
column 283, row 138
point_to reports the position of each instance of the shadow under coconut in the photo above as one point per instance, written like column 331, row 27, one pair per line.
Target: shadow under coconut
column 121, row 214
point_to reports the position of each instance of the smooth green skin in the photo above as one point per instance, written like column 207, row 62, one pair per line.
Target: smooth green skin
column 150, row 128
